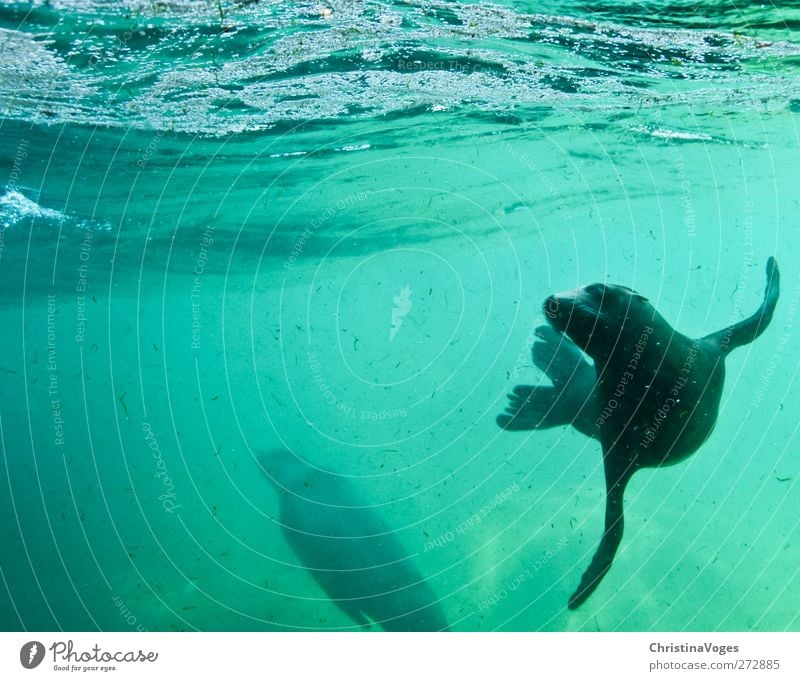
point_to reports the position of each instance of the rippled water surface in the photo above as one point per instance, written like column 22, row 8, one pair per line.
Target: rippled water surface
column 328, row 227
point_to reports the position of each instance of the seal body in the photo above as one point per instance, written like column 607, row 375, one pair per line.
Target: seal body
column 349, row 549
column 655, row 396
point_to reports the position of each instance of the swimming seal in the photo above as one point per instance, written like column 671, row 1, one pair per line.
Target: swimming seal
column 349, row 549
column 654, row 395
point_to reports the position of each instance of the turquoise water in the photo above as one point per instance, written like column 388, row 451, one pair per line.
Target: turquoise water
column 329, row 227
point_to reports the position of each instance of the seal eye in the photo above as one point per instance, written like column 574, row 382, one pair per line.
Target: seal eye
column 595, row 289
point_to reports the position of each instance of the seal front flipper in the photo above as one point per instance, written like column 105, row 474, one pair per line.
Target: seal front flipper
column 534, row 407
column 616, row 481
column 574, row 378
column 571, row 400
column 559, row 358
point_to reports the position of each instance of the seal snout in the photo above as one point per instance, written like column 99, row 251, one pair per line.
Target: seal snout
column 559, row 309
column 552, row 308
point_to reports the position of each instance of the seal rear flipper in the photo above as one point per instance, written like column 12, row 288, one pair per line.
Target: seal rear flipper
column 612, row 536
column 751, row 328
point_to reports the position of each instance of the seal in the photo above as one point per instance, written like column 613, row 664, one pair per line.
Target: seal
column 348, row 547
column 653, row 398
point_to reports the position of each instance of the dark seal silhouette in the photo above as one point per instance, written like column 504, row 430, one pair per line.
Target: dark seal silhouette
column 349, row 549
column 651, row 398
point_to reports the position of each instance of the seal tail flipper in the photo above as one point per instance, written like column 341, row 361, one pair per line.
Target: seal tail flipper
column 751, row 328
column 612, row 536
